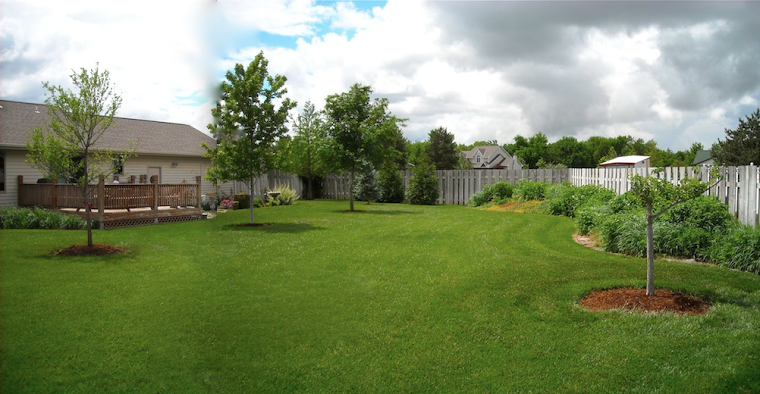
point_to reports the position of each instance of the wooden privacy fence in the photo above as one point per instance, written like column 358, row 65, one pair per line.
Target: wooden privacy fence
column 454, row 186
column 178, row 202
column 739, row 189
column 266, row 182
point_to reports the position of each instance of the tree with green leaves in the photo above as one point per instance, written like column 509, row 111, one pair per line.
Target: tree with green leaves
column 308, row 147
column 68, row 147
column 441, row 149
column 250, row 118
column 659, row 195
column 423, row 184
column 742, row 145
column 360, row 129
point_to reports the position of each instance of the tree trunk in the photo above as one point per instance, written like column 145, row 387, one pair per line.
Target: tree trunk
column 650, row 250
column 351, row 190
column 89, row 224
column 250, row 199
column 310, row 193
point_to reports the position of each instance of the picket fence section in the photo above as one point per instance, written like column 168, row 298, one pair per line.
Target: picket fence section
column 739, row 189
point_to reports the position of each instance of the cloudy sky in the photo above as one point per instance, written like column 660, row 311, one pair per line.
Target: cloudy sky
column 678, row 72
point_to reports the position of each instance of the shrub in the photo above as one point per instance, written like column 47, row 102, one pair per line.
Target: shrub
column 391, row 185
column 526, row 190
column 423, row 185
column 287, row 195
column 258, row 202
column 738, row 249
column 626, row 202
column 680, row 240
column 589, row 216
column 703, row 212
column 226, row 203
column 38, row 218
column 365, row 185
column 611, row 229
column 501, row 191
column 565, row 199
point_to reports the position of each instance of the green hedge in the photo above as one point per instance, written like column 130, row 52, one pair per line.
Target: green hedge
column 38, row 218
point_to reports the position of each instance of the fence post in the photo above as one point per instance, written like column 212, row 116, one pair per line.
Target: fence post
column 101, row 200
column 54, row 196
column 20, row 194
column 198, row 191
column 154, row 182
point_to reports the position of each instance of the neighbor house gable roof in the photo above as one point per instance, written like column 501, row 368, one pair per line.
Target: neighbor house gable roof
column 493, row 156
column 152, row 137
column 702, row 156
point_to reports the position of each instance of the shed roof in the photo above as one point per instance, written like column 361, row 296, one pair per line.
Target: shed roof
column 152, row 137
column 624, row 160
column 702, row 156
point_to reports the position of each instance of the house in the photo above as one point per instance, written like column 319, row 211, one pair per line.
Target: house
column 627, row 162
column 492, row 157
column 703, row 158
column 171, row 151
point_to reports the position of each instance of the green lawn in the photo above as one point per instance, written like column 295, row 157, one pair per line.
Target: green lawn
column 395, row 299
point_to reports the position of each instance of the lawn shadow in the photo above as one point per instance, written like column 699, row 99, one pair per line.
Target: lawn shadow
column 291, row 228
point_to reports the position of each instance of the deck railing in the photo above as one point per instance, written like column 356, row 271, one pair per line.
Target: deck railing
column 110, row 196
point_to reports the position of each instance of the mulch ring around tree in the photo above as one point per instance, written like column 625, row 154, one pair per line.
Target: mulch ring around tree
column 95, row 250
column 638, row 300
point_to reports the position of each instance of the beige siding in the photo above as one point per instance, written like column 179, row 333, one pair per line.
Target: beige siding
column 14, row 166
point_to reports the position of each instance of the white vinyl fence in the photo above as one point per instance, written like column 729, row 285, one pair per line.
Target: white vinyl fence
column 739, row 189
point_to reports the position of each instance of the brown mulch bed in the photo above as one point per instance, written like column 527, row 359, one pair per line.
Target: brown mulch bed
column 84, row 250
column 637, row 300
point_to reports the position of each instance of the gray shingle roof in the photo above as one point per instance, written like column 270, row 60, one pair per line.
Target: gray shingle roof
column 153, row 138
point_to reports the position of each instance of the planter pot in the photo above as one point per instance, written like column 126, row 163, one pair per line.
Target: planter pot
column 243, row 200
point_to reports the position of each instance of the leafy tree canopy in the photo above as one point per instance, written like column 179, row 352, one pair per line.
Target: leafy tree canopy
column 442, row 150
column 250, row 117
column 742, row 145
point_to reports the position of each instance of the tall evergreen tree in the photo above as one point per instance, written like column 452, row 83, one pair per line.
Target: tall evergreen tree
column 441, row 149
column 742, row 145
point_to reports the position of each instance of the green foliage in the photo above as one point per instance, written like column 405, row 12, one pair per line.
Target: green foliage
column 626, row 202
column 703, row 212
column 287, row 195
column 565, row 199
column 589, row 217
column 623, row 231
column 738, row 249
column 258, row 202
column 365, row 184
column 309, row 156
column 67, row 148
column 423, row 185
column 742, row 145
column 497, row 193
column 361, row 130
column 250, row 118
column 683, row 240
column 526, row 190
column 38, row 218
column 441, row 149
column 391, row 185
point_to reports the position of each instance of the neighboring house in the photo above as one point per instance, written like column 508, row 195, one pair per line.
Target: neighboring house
column 703, row 158
column 628, row 162
column 169, row 150
column 491, row 157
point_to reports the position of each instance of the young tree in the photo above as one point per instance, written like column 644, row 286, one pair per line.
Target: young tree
column 441, row 149
column 308, row 145
column 659, row 195
column 742, row 145
column 359, row 129
column 68, row 148
column 248, row 123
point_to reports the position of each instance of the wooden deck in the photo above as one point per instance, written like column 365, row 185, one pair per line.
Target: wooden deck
column 119, row 205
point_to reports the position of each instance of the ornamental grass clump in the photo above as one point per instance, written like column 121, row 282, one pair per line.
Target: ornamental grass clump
column 287, row 195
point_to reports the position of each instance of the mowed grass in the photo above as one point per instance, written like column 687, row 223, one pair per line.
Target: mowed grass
column 398, row 298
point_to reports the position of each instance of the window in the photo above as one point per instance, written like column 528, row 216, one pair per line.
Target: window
column 477, row 159
column 118, row 165
column 2, row 171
